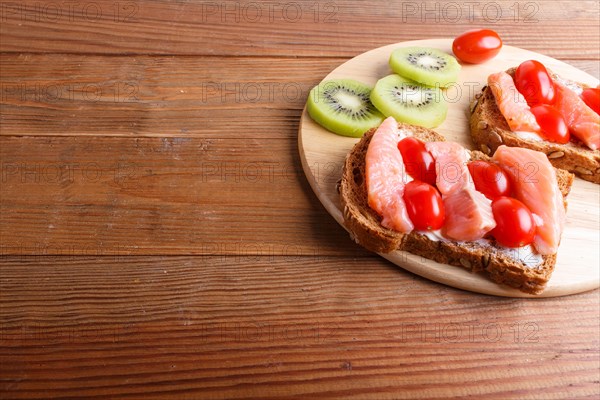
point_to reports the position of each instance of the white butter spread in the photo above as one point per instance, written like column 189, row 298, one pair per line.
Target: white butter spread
column 467, row 156
column 404, row 133
column 434, row 236
column 574, row 86
column 528, row 136
column 525, row 255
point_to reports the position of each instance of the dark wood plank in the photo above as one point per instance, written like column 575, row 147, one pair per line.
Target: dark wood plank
column 97, row 196
column 311, row 28
column 155, row 96
column 77, row 95
column 236, row 327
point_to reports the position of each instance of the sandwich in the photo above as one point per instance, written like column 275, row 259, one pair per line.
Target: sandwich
column 386, row 200
column 506, row 113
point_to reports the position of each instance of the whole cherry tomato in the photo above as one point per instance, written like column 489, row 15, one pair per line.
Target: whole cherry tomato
column 534, row 83
column 553, row 125
column 477, row 46
column 489, row 179
column 591, row 97
column 515, row 226
column 418, row 161
column 424, row 205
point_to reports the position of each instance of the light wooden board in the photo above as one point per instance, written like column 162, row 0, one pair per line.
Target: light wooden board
column 323, row 153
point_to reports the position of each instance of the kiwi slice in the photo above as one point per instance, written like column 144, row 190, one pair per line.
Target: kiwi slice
column 409, row 101
column 431, row 67
column 343, row 107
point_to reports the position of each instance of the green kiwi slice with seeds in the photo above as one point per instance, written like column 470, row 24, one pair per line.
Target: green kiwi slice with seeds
column 431, row 67
column 409, row 101
column 343, row 106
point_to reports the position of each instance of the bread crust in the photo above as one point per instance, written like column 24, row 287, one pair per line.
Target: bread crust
column 364, row 225
column 489, row 130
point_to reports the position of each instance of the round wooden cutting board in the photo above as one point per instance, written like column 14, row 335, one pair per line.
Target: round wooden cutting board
column 323, row 153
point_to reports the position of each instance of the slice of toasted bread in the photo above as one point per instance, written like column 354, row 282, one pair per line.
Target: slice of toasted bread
column 365, row 227
column 490, row 130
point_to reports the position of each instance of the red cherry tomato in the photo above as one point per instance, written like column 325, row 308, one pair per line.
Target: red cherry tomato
column 424, row 205
column 534, row 83
column 489, row 179
column 477, row 46
column 591, row 97
column 553, row 125
column 515, row 226
column 418, row 161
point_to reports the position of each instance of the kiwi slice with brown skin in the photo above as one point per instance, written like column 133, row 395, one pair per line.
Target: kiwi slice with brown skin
column 343, row 106
column 429, row 66
column 409, row 101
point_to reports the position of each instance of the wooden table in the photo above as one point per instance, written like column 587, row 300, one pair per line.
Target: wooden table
column 159, row 239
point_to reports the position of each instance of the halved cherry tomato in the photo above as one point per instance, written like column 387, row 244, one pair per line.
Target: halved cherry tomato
column 424, row 205
column 477, row 46
column 515, row 226
column 534, row 83
column 418, row 161
column 591, row 97
column 489, row 179
column 553, row 125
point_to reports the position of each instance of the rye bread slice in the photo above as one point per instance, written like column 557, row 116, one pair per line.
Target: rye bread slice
column 364, row 225
column 490, row 130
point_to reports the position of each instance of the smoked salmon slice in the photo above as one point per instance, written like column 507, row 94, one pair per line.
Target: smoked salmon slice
column 451, row 166
column 468, row 215
column 512, row 104
column 534, row 183
column 386, row 177
column 583, row 122
column 468, row 212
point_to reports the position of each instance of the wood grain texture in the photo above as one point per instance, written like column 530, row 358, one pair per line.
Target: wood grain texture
column 50, row 95
column 302, row 28
column 114, row 131
column 111, row 195
column 84, row 95
column 221, row 327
